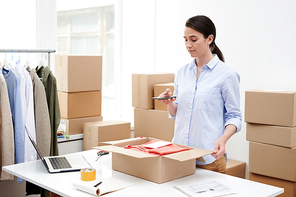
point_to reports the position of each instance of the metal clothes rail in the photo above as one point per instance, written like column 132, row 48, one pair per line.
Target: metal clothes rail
column 29, row 51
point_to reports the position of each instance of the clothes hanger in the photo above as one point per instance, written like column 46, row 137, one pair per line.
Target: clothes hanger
column 45, row 58
column 5, row 68
column 12, row 64
column 5, row 63
column 41, row 62
column 28, row 63
column 19, row 60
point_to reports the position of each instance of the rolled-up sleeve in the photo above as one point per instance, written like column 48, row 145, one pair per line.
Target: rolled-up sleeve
column 231, row 96
column 170, row 115
column 175, row 94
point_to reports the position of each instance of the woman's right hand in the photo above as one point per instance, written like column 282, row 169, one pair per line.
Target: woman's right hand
column 167, row 93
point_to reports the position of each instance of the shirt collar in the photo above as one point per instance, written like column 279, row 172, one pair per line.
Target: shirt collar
column 211, row 64
column 192, row 65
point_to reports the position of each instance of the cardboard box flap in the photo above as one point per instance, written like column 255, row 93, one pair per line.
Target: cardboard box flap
column 124, row 151
column 273, row 91
column 189, row 154
column 129, row 141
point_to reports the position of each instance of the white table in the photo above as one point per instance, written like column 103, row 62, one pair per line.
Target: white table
column 62, row 183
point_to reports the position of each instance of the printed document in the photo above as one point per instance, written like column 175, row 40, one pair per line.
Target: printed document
column 210, row 188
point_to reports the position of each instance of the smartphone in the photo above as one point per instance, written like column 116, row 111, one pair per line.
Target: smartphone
column 164, row 98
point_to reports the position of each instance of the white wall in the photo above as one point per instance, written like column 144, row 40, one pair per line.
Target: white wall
column 256, row 37
column 138, row 44
column 18, row 28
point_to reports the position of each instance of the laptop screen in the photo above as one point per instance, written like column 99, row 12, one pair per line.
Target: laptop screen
column 37, row 150
column 34, row 144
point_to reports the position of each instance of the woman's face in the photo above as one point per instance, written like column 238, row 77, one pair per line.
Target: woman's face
column 195, row 42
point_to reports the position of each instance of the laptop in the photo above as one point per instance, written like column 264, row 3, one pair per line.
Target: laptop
column 56, row 164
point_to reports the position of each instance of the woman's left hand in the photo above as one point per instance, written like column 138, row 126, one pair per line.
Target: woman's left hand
column 219, row 149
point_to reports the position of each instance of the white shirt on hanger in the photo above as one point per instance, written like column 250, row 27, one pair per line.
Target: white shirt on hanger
column 29, row 119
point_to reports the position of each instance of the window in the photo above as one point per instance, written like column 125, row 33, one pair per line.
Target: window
column 92, row 31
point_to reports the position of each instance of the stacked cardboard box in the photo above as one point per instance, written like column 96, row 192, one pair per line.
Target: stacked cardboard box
column 101, row 131
column 79, row 83
column 149, row 121
column 158, row 89
column 154, row 123
column 271, row 132
column 236, row 168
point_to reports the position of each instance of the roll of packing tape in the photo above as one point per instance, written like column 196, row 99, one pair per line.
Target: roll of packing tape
column 88, row 174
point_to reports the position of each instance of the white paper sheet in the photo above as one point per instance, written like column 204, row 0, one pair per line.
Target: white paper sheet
column 211, row 188
column 107, row 185
column 157, row 144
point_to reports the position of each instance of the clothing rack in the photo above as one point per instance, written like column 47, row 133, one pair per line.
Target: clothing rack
column 29, row 51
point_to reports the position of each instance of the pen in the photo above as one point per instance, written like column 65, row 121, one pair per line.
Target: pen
column 96, row 185
column 87, row 161
column 141, row 148
column 101, row 153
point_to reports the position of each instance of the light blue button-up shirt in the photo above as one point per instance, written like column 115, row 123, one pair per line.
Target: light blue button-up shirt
column 206, row 105
column 14, row 94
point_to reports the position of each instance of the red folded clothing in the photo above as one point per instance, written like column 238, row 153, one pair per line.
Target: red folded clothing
column 162, row 150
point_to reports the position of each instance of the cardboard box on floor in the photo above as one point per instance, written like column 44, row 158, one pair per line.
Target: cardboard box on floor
column 76, row 73
column 143, row 88
column 270, row 134
column 80, row 104
column 102, row 131
column 153, row 123
column 158, row 89
column 158, row 169
column 236, row 168
column 75, row 125
column 289, row 187
column 274, row 161
column 270, row 107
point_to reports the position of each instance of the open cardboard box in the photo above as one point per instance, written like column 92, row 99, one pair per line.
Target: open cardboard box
column 158, row 169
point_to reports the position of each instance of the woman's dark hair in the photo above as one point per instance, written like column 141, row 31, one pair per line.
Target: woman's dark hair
column 205, row 26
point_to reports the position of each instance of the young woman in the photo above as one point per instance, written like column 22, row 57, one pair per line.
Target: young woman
column 207, row 108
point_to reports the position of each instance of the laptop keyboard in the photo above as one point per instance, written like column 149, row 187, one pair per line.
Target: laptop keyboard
column 59, row 162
